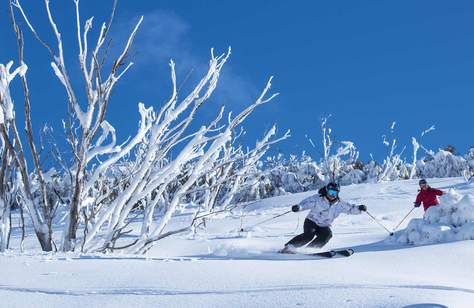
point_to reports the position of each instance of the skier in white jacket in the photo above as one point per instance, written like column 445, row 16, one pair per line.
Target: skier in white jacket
column 325, row 207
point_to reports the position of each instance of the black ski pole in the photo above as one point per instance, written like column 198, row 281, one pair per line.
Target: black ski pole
column 266, row 220
column 375, row 219
column 403, row 219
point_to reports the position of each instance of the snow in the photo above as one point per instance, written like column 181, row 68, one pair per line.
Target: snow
column 222, row 267
column 452, row 220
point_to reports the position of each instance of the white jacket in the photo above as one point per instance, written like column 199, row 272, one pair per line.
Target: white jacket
column 323, row 212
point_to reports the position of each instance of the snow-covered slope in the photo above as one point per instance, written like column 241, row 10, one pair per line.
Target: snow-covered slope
column 223, row 267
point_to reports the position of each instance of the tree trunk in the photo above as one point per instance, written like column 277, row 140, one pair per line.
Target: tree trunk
column 45, row 241
column 69, row 241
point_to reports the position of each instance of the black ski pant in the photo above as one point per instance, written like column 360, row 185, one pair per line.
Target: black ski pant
column 313, row 235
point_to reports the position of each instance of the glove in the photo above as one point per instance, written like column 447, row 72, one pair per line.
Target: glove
column 417, row 204
column 362, row 208
column 295, row 208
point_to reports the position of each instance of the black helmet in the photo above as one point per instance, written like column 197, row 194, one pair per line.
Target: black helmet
column 323, row 191
column 333, row 186
column 332, row 190
column 422, row 182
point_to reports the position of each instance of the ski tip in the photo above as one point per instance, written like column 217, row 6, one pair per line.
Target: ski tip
column 345, row 252
column 326, row 254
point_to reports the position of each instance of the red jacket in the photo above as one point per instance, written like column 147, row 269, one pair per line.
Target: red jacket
column 428, row 197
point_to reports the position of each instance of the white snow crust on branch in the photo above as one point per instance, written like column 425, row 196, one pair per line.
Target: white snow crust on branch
column 416, row 147
column 333, row 166
column 426, row 131
column 6, row 77
column 152, row 172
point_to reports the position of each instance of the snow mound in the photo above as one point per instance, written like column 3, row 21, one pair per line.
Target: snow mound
column 452, row 220
column 237, row 248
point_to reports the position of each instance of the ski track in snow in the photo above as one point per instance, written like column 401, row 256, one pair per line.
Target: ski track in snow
column 161, row 292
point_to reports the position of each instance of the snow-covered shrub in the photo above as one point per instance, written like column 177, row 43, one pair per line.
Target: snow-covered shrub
column 372, row 169
column 355, row 176
column 442, row 164
column 334, row 166
column 308, row 173
column 469, row 157
column 452, row 220
column 276, row 176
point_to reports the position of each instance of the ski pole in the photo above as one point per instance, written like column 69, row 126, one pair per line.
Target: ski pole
column 403, row 219
column 375, row 219
column 266, row 220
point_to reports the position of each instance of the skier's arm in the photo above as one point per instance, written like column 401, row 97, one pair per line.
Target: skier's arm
column 349, row 208
column 418, row 200
column 309, row 202
column 438, row 192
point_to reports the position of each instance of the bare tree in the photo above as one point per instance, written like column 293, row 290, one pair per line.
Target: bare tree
column 203, row 149
column 8, row 188
column 105, row 206
column 40, row 211
column 86, row 143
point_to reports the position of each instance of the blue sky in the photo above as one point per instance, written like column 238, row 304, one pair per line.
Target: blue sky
column 366, row 63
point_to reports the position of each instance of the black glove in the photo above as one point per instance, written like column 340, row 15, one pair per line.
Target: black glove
column 362, row 208
column 417, row 204
column 295, row 208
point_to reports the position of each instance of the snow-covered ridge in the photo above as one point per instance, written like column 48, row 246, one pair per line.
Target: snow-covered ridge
column 219, row 266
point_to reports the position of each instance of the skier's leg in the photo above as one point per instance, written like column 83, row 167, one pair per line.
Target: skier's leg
column 309, row 230
column 323, row 235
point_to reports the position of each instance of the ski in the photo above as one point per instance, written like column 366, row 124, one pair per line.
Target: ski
column 325, row 254
column 333, row 253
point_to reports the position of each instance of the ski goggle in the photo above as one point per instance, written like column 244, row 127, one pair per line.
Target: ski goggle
column 332, row 192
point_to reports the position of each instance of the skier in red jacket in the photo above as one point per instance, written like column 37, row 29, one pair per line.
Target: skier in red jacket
column 427, row 195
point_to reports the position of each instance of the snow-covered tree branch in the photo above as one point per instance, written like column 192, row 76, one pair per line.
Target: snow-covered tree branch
column 104, row 203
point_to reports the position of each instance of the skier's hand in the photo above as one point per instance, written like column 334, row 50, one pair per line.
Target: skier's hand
column 362, row 208
column 295, row 208
column 417, row 204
